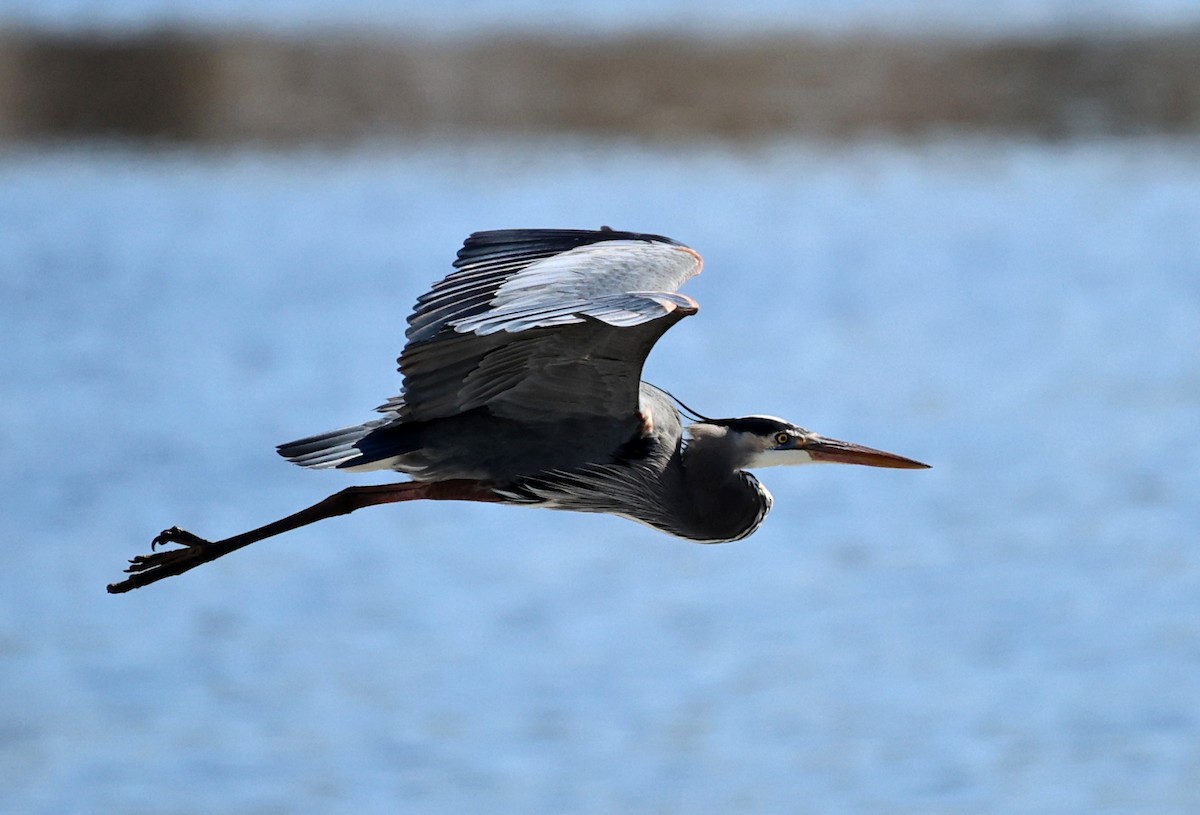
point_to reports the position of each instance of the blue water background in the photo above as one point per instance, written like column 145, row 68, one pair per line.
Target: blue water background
column 574, row 17
column 1015, row 630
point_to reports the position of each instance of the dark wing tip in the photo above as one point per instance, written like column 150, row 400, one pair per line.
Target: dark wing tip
column 546, row 241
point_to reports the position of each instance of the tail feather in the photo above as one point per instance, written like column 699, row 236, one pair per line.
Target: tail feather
column 337, row 448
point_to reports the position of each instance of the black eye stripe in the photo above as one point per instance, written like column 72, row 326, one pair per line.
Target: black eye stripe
column 758, row 425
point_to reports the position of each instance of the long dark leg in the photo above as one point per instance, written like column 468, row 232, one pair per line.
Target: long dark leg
column 147, row 569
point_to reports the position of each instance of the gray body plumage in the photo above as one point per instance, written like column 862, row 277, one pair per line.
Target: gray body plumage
column 689, row 489
column 523, row 371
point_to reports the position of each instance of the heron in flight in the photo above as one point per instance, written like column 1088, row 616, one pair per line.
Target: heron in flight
column 522, row 385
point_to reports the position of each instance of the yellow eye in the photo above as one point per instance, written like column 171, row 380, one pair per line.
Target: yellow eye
column 782, row 437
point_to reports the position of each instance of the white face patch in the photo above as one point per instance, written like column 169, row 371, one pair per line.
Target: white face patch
column 780, row 458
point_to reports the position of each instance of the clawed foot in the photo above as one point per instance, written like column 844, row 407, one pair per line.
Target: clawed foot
column 193, row 552
column 146, row 569
column 173, row 535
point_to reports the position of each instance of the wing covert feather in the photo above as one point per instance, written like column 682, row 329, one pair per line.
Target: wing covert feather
column 553, row 269
column 534, row 324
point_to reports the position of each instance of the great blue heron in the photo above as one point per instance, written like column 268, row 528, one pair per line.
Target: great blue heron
column 522, row 385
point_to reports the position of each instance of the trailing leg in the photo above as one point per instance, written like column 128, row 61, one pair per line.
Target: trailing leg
column 147, row 569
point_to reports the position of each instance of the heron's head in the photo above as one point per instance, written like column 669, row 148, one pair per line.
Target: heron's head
column 767, row 441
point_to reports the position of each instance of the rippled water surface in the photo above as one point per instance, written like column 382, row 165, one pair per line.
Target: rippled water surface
column 1015, row 630
column 472, row 17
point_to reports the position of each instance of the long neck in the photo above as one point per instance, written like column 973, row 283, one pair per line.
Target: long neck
column 724, row 504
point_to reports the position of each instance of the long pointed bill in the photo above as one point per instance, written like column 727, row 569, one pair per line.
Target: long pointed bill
column 844, row 452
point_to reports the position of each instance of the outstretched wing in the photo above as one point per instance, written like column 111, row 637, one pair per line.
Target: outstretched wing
column 535, row 323
column 546, row 331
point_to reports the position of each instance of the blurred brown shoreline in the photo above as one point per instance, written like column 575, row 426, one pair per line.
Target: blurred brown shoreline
column 214, row 88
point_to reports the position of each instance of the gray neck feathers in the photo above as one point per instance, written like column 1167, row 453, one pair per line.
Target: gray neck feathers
column 726, row 502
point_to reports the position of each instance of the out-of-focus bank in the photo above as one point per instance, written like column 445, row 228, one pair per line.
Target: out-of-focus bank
column 208, row 87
